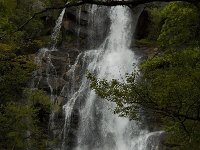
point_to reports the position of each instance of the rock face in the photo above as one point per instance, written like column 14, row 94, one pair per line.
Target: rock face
column 78, row 32
column 38, row 5
column 142, row 28
column 52, row 77
column 79, row 29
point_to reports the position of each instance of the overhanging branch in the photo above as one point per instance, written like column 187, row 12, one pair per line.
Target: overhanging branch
column 132, row 3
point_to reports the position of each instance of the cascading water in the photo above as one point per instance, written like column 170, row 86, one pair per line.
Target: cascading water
column 56, row 30
column 98, row 127
column 47, row 71
column 98, row 22
column 43, row 60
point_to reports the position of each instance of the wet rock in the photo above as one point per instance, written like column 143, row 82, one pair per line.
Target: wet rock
column 142, row 28
column 155, row 140
column 72, row 14
column 79, row 24
column 38, row 5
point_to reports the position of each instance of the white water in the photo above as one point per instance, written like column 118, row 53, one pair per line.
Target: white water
column 47, row 70
column 43, row 59
column 56, row 30
column 99, row 128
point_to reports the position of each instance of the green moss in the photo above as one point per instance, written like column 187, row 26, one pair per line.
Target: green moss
column 5, row 47
column 146, row 42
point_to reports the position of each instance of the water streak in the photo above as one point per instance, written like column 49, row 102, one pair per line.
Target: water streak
column 56, row 31
column 47, row 70
column 99, row 128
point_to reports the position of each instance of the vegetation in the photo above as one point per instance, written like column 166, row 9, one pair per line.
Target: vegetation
column 24, row 112
column 168, row 86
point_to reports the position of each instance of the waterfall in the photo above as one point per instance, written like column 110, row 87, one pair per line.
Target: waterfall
column 56, row 30
column 47, row 71
column 98, row 23
column 98, row 128
column 95, row 127
column 43, row 60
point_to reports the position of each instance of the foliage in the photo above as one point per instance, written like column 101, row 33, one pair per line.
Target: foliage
column 174, row 80
column 14, row 73
column 16, row 121
column 41, row 102
column 181, row 23
column 156, row 22
column 35, row 96
column 168, row 86
column 14, row 14
column 21, row 123
column 24, row 113
column 175, row 24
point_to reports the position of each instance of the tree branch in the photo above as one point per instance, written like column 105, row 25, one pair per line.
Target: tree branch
column 129, row 3
column 68, row 5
